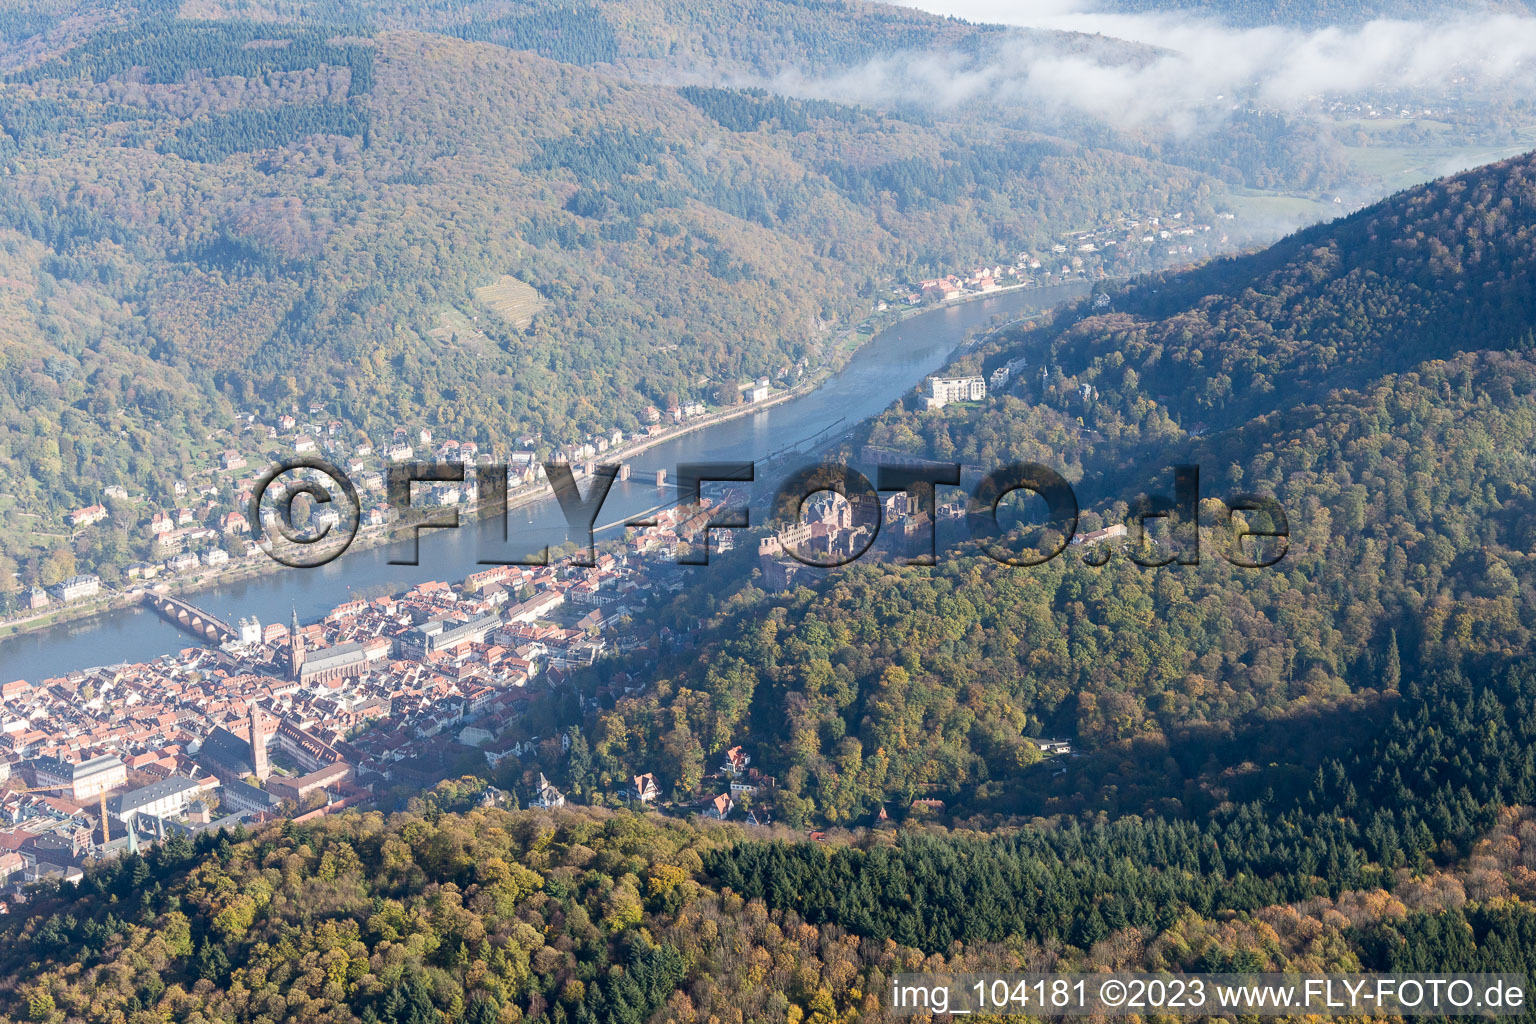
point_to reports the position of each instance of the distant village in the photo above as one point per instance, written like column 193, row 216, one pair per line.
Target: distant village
column 1127, row 246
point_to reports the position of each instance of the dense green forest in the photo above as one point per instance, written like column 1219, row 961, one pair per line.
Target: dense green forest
column 1406, row 490
column 1402, row 855
column 1427, row 787
column 736, row 37
column 1437, row 270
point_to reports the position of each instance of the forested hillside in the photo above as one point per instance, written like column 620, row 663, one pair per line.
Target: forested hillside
column 208, row 214
column 1324, row 765
column 1397, row 857
column 734, row 36
column 1407, row 494
column 1437, row 270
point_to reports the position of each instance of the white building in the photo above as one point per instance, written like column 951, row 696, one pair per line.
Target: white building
column 77, row 587
column 84, row 780
column 943, row 390
column 474, row 736
column 181, row 562
column 1115, row 531
column 167, row 798
column 549, row 797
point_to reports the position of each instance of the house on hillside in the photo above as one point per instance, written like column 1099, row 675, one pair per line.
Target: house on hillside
column 87, row 516
column 736, row 761
column 548, row 796
column 644, row 790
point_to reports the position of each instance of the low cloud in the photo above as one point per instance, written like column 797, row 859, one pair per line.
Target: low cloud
column 1165, row 72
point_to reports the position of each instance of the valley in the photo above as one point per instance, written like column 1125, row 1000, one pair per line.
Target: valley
column 1284, row 247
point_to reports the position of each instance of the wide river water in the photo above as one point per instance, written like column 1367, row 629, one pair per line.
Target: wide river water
column 884, row 369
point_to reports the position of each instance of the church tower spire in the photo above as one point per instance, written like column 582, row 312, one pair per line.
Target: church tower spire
column 295, row 647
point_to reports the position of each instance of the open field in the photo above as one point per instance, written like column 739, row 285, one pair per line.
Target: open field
column 514, row 301
column 1401, row 166
column 1289, row 211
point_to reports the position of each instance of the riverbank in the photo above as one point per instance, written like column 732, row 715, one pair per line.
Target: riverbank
column 891, row 353
column 844, row 345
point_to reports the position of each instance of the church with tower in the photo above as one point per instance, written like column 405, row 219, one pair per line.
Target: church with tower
column 326, row 664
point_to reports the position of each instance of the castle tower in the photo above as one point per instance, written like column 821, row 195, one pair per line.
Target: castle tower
column 295, row 647
column 259, row 740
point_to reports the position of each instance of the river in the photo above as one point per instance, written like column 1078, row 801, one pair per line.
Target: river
column 889, row 365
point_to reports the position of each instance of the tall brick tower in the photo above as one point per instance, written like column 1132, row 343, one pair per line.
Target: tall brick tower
column 259, row 744
column 295, row 647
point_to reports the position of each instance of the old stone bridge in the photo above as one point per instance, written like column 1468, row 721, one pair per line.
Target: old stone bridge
column 190, row 618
